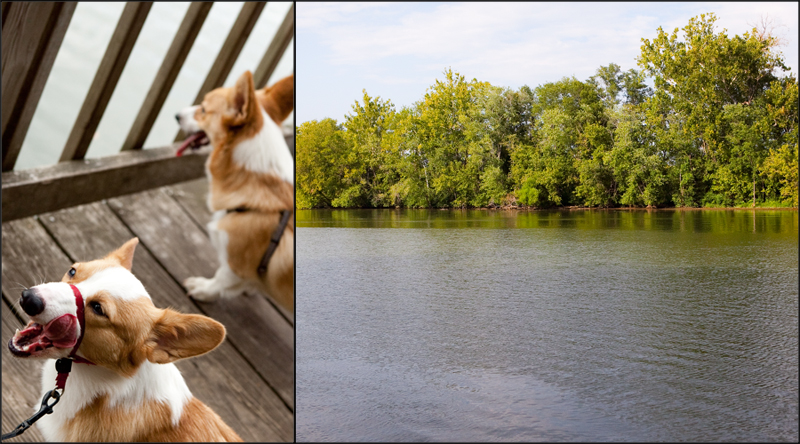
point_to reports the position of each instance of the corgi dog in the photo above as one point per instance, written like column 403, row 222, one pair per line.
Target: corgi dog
column 251, row 189
column 123, row 385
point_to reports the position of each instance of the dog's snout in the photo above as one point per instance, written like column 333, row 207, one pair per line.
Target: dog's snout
column 178, row 117
column 31, row 302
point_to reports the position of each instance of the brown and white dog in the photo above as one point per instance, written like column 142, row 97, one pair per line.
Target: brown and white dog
column 251, row 176
column 126, row 387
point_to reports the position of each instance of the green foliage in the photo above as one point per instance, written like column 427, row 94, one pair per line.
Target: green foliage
column 545, row 172
column 710, row 93
column 780, row 168
column 639, row 164
column 372, row 160
column 452, row 146
column 611, row 82
column 565, row 163
column 720, row 128
column 321, row 150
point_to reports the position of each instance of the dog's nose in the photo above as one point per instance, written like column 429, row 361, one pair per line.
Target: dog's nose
column 178, row 117
column 31, row 303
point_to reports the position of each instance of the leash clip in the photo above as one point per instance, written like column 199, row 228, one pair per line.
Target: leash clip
column 45, row 409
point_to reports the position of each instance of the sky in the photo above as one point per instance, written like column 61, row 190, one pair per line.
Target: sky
column 396, row 50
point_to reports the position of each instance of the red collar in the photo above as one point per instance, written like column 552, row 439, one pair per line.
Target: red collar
column 64, row 365
column 82, row 323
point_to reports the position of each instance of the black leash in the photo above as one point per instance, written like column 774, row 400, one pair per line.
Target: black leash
column 273, row 242
column 46, row 409
column 63, row 366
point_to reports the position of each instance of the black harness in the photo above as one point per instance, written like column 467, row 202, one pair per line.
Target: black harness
column 273, row 242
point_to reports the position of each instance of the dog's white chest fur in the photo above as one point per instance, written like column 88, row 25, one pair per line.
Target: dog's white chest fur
column 266, row 152
column 152, row 382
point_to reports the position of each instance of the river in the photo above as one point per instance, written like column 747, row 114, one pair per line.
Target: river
column 419, row 325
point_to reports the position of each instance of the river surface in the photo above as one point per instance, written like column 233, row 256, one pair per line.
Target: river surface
column 417, row 325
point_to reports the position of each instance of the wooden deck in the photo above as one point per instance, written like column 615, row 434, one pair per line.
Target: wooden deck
column 248, row 380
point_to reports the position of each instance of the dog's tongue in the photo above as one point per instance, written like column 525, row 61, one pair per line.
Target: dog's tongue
column 62, row 331
column 193, row 141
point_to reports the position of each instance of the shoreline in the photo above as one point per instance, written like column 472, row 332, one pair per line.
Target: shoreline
column 570, row 208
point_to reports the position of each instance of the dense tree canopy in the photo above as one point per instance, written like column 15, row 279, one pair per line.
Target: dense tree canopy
column 719, row 128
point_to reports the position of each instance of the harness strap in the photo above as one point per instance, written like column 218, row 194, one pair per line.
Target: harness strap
column 81, row 318
column 273, row 242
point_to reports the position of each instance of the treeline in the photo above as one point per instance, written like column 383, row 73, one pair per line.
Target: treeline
column 718, row 129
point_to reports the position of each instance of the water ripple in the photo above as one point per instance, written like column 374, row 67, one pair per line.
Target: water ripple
column 546, row 334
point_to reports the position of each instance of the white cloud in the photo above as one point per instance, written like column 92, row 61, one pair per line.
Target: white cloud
column 408, row 45
column 318, row 14
column 506, row 41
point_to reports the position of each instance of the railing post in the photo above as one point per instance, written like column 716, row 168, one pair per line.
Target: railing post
column 105, row 80
column 275, row 50
column 32, row 35
column 6, row 8
column 165, row 78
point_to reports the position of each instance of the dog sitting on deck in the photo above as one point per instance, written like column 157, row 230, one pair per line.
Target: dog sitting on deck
column 251, row 177
column 123, row 385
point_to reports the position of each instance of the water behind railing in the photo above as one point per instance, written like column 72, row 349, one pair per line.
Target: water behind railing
column 547, row 326
column 83, row 47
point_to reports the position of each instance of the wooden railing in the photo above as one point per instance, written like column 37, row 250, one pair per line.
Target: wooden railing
column 32, row 33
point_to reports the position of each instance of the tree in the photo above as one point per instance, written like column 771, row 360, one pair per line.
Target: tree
column 608, row 80
column 372, row 161
column 611, row 82
column 320, row 164
column 571, row 130
column 453, row 150
column 780, row 168
column 639, row 166
column 696, row 78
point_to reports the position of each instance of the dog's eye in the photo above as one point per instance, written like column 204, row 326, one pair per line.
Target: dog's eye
column 71, row 272
column 202, row 109
column 97, row 308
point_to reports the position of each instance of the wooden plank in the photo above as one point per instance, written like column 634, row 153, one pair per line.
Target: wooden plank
column 230, row 51
column 32, row 34
column 167, row 73
column 105, row 80
column 223, row 379
column 260, row 333
column 191, row 196
column 275, row 50
column 30, row 257
column 38, row 190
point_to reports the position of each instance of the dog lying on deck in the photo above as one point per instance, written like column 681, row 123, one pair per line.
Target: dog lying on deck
column 251, row 177
column 123, row 385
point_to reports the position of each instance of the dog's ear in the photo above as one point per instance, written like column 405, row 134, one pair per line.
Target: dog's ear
column 178, row 336
column 124, row 254
column 278, row 99
column 245, row 104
